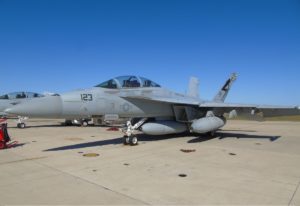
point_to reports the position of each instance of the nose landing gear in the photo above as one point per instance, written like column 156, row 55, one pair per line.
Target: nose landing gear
column 21, row 122
column 129, row 137
column 132, row 140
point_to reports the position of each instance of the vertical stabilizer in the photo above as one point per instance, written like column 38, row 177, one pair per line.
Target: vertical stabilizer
column 193, row 90
column 222, row 94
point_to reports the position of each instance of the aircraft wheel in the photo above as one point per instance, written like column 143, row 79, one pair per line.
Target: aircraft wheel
column 211, row 134
column 68, row 122
column 133, row 141
column 21, row 125
column 126, row 140
column 84, row 123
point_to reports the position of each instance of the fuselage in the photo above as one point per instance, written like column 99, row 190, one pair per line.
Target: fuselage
column 4, row 104
column 15, row 98
column 98, row 101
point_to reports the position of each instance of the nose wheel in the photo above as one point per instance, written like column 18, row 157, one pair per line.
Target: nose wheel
column 132, row 140
column 21, row 122
column 21, row 125
column 129, row 137
column 84, row 123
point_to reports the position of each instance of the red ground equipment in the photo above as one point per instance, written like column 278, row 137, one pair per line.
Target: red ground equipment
column 4, row 137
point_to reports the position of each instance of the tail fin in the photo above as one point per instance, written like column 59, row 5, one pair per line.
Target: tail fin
column 222, row 94
column 193, row 90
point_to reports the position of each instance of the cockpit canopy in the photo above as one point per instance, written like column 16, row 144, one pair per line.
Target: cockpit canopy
column 127, row 82
column 20, row 95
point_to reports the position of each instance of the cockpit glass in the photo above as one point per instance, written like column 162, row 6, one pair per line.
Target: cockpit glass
column 128, row 82
column 148, row 83
column 110, row 84
column 33, row 95
column 4, row 96
column 17, row 95
column 20, row 95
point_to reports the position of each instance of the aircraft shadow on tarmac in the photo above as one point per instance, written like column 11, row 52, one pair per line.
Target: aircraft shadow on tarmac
column 147, row 138
column 88, row 144
column 115, row 141
column 221, row 135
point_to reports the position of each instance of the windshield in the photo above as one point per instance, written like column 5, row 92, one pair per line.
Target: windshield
column 20, row 95
column 111, row 84
column 128, row 82
column 148, row 83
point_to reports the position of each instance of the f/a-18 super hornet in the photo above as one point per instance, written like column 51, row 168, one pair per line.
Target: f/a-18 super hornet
column 153, row 110
column 14, row 98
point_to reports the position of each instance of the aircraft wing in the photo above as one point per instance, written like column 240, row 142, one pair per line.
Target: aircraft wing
column 164, row 97
column 219, row 108
column 267, row 110
column 170, row 100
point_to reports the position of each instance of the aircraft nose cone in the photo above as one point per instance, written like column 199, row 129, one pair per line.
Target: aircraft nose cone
column 49, row 107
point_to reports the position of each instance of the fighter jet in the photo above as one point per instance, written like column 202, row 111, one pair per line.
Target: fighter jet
column 14, row 98
column 152, row 109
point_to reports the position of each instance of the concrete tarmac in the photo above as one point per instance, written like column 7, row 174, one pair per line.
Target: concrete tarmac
column 248, row 163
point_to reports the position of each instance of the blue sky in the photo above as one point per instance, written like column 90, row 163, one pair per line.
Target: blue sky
column 61, row 45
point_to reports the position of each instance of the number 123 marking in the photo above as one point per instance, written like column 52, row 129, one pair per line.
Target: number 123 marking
column 87, row 97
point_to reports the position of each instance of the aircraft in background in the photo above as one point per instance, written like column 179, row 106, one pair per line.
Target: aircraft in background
column 153, row 110
column 15, row 98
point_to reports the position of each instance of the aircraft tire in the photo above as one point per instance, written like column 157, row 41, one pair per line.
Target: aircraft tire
column 21, row 125
column 84, row 123
column 211, row 134
column 133, row 140
column 126, row 140
column 68, row 122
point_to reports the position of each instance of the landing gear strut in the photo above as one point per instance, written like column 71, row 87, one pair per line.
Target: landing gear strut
column 129, row 137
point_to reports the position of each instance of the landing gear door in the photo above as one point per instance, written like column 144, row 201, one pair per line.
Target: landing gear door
column 185, row 113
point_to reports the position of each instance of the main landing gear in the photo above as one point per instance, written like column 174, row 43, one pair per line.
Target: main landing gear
column 84, row 123
column 211, row 134
column 129, row 137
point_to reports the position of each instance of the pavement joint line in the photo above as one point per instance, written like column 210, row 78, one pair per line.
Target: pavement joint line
column 23, row 160
column 16, row 183
column 77, row 177
column 294, row 193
